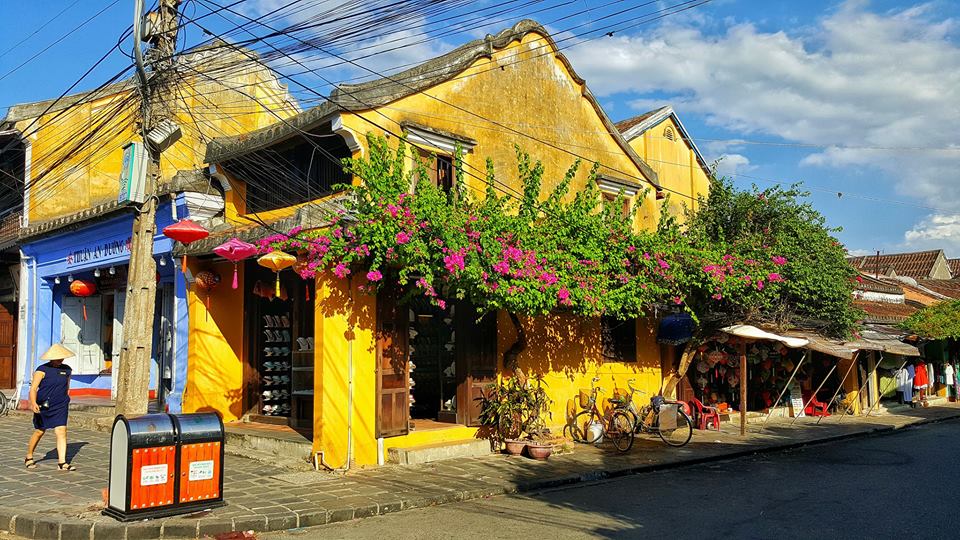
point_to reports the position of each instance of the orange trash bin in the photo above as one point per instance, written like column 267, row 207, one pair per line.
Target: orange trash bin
column 200, row 463
column 143, row 465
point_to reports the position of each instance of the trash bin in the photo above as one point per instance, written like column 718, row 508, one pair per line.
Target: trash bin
column 200, row 464
column 143, row 459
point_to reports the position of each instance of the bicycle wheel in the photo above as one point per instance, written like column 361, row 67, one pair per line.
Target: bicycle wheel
column 580, row 428
column 621, row 431
column 679, row 436
column 3, row 404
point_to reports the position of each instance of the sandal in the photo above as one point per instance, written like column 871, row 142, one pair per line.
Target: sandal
column 66, row 467
column 29, row 463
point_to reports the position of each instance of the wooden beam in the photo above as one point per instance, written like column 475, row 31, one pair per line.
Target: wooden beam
column 743, row 387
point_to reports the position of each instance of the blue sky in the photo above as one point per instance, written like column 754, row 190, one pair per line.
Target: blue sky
column 851, row 97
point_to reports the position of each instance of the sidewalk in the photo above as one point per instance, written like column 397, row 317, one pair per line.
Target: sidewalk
column 46, row 503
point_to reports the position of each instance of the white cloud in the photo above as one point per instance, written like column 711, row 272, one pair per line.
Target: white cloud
column 936, row 231
column 859, row 252
column 732, row 164
column 856, row 78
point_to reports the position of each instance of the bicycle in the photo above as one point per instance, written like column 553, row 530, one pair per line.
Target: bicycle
column 647, row 419
column 4, row 404
column 616, row 425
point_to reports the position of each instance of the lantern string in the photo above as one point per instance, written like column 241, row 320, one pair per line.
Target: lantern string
column 235, row 283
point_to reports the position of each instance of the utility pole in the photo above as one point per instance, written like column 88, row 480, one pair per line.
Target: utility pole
column 134, row 371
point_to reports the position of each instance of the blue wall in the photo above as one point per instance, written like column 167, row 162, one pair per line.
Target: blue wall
column 78, row 253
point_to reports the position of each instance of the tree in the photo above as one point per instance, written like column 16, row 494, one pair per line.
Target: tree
column 745, row 257
column 939, row 321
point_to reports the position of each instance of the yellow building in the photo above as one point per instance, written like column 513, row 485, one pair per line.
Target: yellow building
column 71, row 152
column 362, row 373
column 660, row 139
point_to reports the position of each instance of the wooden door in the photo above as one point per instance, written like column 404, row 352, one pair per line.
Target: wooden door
column 476, row 353
column 8, row 345
column 82, row 336
column 393, row 367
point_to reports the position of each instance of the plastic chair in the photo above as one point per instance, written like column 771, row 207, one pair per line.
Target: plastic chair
column 815, row 408
column 706, row 415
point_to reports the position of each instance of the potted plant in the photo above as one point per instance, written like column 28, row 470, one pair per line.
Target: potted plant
column 512, row 410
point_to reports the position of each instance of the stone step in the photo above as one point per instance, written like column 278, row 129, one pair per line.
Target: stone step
column 280, row 449
column 440, row 451
column 101, row 410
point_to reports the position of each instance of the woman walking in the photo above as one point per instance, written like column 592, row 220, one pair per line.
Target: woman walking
column 50, row 401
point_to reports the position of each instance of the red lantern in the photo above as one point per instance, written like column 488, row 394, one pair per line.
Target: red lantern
column 207, row 281
column 185, row 232
column 235, row 250
column 83, row 288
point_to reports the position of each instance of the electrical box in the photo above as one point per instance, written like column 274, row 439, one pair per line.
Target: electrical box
column 133, row 174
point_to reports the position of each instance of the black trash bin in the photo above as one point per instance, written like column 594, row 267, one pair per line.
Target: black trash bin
column 200, row 460
column 143, row 466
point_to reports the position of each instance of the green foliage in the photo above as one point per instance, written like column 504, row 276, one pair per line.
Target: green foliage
column 514, row 407
column 939, row 321
column 744, row 257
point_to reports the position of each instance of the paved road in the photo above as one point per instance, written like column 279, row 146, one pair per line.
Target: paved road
column 899, row 485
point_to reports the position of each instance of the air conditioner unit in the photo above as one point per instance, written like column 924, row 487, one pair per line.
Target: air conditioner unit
column 133, row 174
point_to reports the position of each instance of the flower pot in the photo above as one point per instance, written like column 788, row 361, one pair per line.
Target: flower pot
column 539, row 451
column 514, row 447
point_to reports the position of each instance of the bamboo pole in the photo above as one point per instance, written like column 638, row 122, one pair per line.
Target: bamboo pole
column 743, row 387
column 814, row 396
column 853, row 361
column 862, row 386
column 870, row 410
column 784, row 391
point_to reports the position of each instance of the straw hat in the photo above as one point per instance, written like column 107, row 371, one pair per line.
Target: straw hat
column 57, row 352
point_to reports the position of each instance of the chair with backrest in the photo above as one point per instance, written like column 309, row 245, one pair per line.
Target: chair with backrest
column 705, row 415
column 815, row 407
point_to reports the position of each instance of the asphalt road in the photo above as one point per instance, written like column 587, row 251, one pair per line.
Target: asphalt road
column 899, row 485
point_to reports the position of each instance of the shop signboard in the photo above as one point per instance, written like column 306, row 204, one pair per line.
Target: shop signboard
column 796, row 401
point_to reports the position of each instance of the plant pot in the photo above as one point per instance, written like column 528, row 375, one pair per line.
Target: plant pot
column 514, row 447
column 539, row 451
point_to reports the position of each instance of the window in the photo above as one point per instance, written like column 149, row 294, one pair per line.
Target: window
column 293, row 173
column 668, row 134
column 611, row 198
column 439, row 169
column 618, row 339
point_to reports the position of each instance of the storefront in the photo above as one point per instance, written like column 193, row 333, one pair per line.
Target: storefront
column 92, row 326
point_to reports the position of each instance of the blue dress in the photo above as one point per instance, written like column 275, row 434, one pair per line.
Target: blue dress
column 52, row 390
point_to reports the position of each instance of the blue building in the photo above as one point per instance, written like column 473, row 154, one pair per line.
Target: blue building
column 97, row 248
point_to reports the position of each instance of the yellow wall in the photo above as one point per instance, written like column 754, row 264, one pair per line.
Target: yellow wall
column 676, row 165
column 216, row 346
column 533, row 94
column 77, row 153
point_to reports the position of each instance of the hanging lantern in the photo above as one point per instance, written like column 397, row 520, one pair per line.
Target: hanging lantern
column 83, row 288
column 235, row 250
column 207, row 281
column 277, row 261
column 185, row 232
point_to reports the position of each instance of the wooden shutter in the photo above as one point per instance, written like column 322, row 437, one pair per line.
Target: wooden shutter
column 476, row 353
column 8, row 344
column 393, row 373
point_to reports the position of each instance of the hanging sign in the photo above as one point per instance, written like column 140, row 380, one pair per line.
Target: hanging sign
column 98, row 252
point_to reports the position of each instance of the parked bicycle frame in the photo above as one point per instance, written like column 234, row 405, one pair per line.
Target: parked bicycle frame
column 648, row 419
column 592, row 426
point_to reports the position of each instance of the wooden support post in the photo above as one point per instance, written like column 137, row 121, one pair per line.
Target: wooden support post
column 877, row 402
column 743, row 387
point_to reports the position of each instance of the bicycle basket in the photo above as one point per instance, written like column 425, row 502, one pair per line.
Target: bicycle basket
column 656, row 402
column 584, row 398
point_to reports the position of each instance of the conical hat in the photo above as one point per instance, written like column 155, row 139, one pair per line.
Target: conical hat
column 57, row 352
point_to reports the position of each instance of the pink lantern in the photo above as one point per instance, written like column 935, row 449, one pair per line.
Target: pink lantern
column 235, row 250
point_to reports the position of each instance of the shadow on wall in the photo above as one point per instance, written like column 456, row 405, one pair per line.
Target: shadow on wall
column 556, row 344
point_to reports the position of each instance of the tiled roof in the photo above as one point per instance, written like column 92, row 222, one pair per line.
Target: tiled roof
column 624, row 125
column 918, row 265
column 954, row 265
column 884, row 312
column 946, row 287
column 871, row 284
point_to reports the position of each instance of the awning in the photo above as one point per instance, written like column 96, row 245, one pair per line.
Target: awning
column 752, row 332
column 869, row 341
column 675, row 329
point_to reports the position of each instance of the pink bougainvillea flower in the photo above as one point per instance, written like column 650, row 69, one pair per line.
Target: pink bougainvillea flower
column 374, row 275
column 441, row 304
column 717, row 296
column 663, row 264
column 774, row 277
column 759, row 284
column 563, row 295
column 393, row 210
column 341, row 271
column 677, row 300
column 778, row 260
column 502, row 267
column 402, row 237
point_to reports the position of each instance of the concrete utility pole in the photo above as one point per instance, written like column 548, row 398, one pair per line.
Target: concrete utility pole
column 134, row 371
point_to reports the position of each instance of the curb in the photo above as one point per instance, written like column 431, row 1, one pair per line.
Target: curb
column 46, row 527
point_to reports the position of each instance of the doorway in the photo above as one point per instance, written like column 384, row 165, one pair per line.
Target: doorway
column 8, row 345
column 433, row 367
